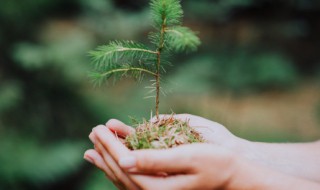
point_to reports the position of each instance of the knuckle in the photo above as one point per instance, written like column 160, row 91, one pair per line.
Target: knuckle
column 99, row 127
column 146, row 164
column 111, row 121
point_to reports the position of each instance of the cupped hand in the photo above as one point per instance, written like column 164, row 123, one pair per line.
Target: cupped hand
column 212, row 165
column 107, row 150
column 186, row 167
column 195, row 166
column 211, row 131
column 105, row 157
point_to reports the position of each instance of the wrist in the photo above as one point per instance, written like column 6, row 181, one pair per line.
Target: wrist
column 249, row 175
column 238, row 174
column 254, row 152
column 242, row 148
column 247, row 149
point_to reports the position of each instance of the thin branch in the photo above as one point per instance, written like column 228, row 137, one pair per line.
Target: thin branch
column 147, row 97
column 131, row 49
column 128, row 69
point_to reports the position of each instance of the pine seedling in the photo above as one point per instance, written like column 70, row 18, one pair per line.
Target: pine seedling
column 121, row 59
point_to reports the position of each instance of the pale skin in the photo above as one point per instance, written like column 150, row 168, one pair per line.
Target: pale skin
column 224, row 162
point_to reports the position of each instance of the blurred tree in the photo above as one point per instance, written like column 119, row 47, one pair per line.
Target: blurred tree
column 44, row 112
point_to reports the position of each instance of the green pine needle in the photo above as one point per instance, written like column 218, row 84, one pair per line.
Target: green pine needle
column 121, row 59
column 167, row 12
column 120, row 71
column 182, row 39
column 116, row 51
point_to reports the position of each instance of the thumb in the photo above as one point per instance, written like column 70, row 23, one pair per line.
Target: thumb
column 157, row 161
column 120, row 128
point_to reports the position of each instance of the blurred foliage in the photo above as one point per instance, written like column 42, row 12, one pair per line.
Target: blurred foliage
column 216, row 10
column 238, row 71
column 48, row 107
column 96, row 181
column 258, row 71
column 36, row 163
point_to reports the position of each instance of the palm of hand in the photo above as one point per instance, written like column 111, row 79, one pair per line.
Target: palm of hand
column 211, row 131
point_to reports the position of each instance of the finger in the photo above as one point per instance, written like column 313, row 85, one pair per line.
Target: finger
column 110, row 143
column 119, row 128
column 123, row 141
column 93, row 138
column 94, row 157
column 175, row 160
column 120, row 176
column 177, row 182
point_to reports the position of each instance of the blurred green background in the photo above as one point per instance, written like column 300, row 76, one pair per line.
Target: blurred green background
column 257, row 72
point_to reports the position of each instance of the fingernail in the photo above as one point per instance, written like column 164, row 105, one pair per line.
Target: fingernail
column 88, row 159
column 127, row 162
column 91, row 137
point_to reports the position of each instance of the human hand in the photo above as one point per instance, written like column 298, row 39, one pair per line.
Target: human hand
column 186, row 166
column 195, row 166
column 186, row 161
column 211, row 131
column 105, row 161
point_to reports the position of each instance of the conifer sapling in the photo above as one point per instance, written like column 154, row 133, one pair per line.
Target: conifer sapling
column 127, row 58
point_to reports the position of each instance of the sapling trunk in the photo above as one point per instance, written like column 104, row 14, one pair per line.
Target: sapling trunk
column 159, row 49
column 158, row 84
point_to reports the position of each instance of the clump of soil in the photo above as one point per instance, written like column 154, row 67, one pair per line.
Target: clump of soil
column 162, row 134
